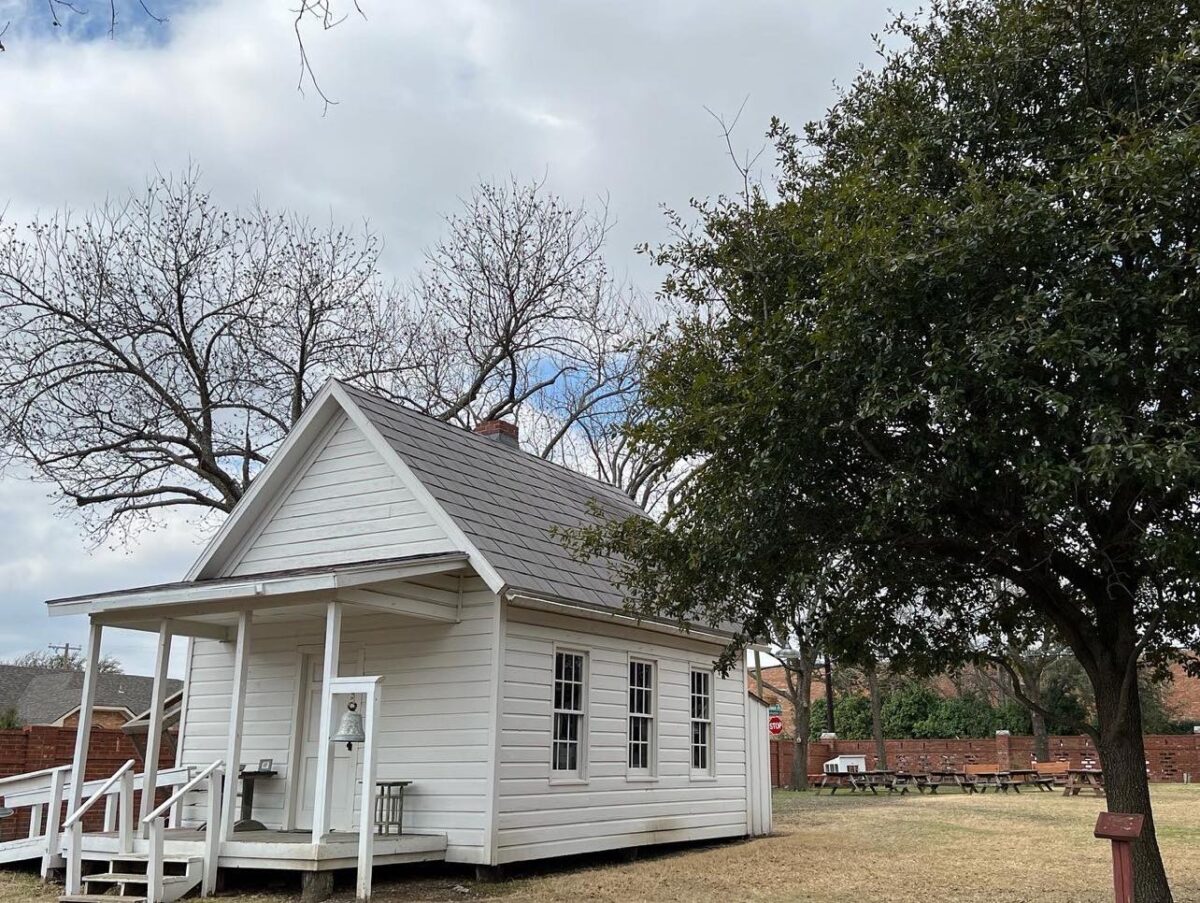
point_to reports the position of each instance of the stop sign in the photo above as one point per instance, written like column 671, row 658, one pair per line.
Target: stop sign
column 775, row 725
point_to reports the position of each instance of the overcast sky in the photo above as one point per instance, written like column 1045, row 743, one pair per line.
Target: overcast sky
column 605, row 99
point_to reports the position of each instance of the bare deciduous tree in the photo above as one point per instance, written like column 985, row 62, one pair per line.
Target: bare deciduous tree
column 519, row 316
column 153, row 353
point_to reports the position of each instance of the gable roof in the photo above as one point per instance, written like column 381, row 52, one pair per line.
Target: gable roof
column 40, row 696
column 506, row 501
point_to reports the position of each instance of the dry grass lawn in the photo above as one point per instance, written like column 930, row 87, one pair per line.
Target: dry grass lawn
column 949, row 848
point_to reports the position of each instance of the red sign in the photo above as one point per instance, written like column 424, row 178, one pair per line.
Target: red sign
column 775, row 725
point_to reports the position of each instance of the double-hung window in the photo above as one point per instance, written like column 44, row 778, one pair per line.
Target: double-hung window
column 566, row 757
column 641, row 717
column 702, row 725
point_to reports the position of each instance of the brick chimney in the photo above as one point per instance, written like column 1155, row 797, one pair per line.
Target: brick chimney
column 501, row 431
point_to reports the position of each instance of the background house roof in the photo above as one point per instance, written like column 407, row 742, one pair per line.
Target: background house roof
column 40, row 696
column 506, row 501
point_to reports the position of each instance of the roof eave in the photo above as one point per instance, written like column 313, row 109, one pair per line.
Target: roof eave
column 260, row 588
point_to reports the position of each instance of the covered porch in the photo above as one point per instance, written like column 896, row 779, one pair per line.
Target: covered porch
column 319, row 798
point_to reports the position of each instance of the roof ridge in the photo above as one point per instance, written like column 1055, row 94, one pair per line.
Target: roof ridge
column 460, row 432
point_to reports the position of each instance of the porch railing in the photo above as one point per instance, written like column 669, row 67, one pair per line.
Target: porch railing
column 44, row 792
column 156, row 823
column 74, row 821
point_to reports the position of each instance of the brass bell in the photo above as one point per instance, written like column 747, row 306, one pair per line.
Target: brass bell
column 350, row 730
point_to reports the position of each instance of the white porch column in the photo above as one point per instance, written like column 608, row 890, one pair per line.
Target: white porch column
column 162, row 661
column 323, row 792
column 83, row 732
column 366, row 824
column 237, row 717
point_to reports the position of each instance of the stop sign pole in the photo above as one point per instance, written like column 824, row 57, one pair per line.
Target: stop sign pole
column 775, row 720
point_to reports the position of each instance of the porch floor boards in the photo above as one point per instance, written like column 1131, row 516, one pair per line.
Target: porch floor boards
column 280, row 849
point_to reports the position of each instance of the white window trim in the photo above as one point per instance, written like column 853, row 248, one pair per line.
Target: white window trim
column 709, row 773
column 580, row 774
column 649, row 773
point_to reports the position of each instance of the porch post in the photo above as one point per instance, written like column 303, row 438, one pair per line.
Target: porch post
column 323, row 792
column 154, row 735
column 237, row 717
column 366, row 823
column 83, row 732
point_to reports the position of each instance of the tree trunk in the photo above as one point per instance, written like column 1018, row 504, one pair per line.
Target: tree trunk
column 1123, row 758
column 801, row 711
column 1041, row 738
column 829, row 725
column 876, row 716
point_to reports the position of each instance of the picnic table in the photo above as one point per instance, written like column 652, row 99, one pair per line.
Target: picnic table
column 836, row 780
column 999, row 780
column 1030, row 777
column 871, row 780
column 1082, row 778
column 938, row 778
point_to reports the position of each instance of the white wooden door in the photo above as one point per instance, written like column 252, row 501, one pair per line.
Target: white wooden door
column 345, row 762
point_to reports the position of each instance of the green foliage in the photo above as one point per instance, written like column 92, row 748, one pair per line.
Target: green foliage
column 959, row 346
column 9, row 719
column 851, row 715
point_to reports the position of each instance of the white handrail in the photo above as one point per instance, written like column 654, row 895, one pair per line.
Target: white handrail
column 44, row 773
column 92, row 800
column 182, row 791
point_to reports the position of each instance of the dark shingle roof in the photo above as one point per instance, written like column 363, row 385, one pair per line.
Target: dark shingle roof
column 40, row 696
column 507, row 501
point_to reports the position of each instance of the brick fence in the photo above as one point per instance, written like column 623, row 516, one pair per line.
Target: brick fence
column 1169, row 757
column 27, row 749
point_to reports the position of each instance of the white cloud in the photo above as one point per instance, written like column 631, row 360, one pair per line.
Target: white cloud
column 606, row 98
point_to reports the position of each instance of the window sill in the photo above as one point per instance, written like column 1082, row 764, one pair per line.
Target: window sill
column 568, row 782
column 702, row 778
column 641, row 778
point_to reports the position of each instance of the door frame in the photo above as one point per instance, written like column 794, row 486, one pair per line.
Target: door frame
column 355, row 651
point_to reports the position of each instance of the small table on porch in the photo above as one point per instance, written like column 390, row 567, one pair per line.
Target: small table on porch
column 1081, row 778
column 246, row 820
column 389, row 806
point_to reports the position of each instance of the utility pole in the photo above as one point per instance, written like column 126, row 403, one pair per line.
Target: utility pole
column 64, row 652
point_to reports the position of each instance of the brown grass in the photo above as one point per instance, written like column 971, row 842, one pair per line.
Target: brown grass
column 949, row 848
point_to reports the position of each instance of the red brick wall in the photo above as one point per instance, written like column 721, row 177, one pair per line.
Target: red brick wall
column 1168, row 756
column 34, row 748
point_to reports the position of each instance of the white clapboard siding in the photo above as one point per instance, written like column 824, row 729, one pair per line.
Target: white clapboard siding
column 540, row 818
column 435, row 710
column 758, row 749
column 345, row 504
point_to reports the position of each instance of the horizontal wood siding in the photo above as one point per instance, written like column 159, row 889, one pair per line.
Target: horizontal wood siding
column 539, row 818
column 345, row 504
column 435, row 710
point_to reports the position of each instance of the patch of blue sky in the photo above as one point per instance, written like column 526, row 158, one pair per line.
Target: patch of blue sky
column 142, row 22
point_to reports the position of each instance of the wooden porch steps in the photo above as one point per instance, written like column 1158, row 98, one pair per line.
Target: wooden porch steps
column 128, row 875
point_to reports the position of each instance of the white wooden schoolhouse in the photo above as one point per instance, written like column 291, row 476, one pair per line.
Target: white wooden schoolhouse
column 503, row 698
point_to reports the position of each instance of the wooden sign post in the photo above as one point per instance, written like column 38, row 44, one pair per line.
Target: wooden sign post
column 1122, row 830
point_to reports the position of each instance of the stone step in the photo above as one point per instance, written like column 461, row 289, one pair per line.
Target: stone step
column 98, row 898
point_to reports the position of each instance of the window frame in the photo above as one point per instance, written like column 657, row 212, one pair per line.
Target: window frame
column 650, row 771
column 708, row 770
column 578, row 774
